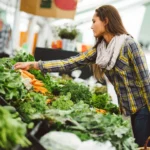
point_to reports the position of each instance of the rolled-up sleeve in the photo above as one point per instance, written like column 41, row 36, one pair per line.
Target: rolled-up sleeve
column 69, row 64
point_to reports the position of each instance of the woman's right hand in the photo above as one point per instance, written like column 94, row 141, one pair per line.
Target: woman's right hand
column 26, row 65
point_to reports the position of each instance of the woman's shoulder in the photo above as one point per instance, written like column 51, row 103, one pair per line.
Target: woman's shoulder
column 129, row 40
column 131, row 44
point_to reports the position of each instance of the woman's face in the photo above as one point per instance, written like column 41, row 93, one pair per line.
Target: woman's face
column 98, row 26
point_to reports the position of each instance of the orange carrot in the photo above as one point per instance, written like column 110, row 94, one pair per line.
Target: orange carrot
column 34, row 80
column 102, row 111
column 24, row 75
column 28, row 74
column 40, row 89
column 38, row 83
column 48, row 101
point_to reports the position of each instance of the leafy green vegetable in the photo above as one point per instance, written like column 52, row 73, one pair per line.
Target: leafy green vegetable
column 6, row 63
column 100, row 90
column 80, row 108
column 95, row 126
column 112, row 108
column 12, row 131
column 33, row 103
column 63, row 102
column 11, row 109
column 11, row 86
column 103, row 101
column 23, row 57
column 78, row 92
column 99, row 101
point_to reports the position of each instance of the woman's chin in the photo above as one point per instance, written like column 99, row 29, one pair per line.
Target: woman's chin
column 96, row 36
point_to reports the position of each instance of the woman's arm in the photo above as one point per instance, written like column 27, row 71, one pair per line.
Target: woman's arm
column 60, row 65
column 70, row 63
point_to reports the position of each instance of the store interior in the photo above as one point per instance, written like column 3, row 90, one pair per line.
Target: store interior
column 68, row 110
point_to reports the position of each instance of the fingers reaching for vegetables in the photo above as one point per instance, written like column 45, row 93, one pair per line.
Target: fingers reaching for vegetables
column 22, row 65
column 26, row 65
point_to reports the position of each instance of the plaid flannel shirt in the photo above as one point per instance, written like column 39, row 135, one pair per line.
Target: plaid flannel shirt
column 130, row 75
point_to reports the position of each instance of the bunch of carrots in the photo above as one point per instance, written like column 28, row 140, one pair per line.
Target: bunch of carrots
column 38, row 86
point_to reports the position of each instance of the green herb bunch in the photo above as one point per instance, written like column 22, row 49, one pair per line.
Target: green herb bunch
column 63, row 102
column 78, row 92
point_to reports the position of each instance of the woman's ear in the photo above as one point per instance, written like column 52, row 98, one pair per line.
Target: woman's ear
column 106, row 21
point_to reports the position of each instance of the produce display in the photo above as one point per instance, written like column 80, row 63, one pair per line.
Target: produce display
column 12, row 129
column 65, row 105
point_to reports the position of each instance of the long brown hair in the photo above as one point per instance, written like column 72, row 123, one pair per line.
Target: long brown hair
column 114, row 26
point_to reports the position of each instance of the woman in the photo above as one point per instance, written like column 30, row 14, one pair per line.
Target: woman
column 117, row 56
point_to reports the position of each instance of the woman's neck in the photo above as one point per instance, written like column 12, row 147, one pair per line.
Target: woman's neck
column 108, row 37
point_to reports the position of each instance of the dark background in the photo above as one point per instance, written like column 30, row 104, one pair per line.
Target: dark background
column 56, row 54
